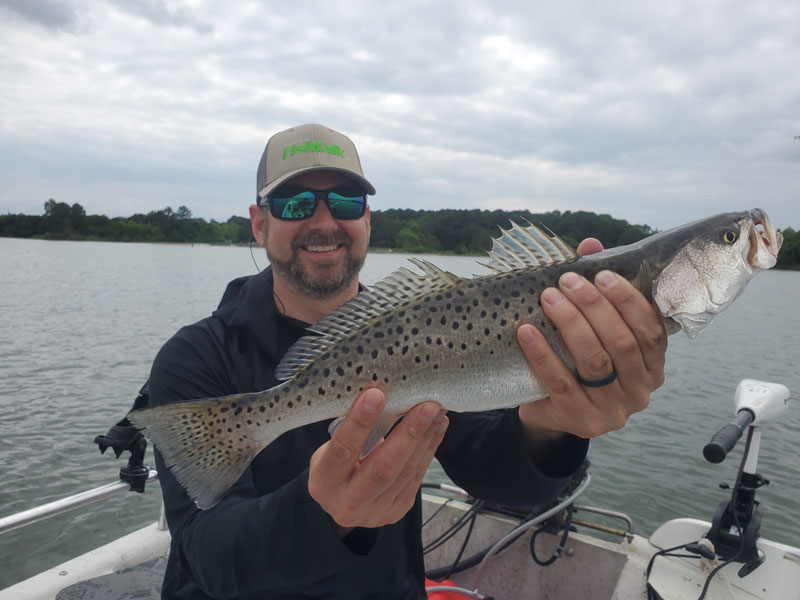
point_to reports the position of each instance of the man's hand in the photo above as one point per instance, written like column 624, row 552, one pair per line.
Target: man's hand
column 607, row 326
column 382, row 488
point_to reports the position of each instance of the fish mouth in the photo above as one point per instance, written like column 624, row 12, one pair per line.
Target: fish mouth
column 765, row 242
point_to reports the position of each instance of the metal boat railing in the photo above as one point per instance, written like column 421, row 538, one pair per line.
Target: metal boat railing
column 38, row 513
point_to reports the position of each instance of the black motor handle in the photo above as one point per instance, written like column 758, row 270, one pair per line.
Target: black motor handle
column 725, row 439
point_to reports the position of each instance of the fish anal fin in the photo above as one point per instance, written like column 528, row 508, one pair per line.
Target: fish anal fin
column 382, row 427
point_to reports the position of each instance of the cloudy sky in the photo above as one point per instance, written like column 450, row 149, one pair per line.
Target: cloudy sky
column 658, row 113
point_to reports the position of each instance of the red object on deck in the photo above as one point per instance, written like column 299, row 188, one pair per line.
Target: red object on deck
column 443, row 595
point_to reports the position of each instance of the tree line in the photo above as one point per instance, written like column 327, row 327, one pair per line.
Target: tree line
column 402, row 230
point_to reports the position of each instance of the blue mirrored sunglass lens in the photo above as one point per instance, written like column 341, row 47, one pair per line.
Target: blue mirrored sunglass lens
column 346, row 207
column 299, row 206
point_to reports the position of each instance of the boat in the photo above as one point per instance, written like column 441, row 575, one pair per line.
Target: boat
column 563, row 551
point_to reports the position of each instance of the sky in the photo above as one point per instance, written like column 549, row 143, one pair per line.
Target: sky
column 657, row 113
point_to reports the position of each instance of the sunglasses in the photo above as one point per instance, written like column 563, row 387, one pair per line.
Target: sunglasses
column 292, row 203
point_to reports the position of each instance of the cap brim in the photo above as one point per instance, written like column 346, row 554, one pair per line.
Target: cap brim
column 368, row 187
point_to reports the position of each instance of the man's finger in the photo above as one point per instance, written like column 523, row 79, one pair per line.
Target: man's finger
column 342, row 452
column 638, row 314
column 382, row 468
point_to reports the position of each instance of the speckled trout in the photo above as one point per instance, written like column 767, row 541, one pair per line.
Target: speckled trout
column 435, row 336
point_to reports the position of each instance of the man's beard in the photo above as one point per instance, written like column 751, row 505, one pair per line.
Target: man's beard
column 326, row 284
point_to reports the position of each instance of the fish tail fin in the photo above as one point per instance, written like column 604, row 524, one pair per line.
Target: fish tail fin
column 205, row 450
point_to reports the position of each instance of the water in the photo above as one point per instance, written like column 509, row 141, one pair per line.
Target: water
column 80, row 323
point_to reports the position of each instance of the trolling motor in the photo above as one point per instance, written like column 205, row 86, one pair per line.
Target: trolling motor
column 736, row 525
column 125, row 437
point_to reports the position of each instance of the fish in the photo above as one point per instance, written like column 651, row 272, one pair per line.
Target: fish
column 431, row 335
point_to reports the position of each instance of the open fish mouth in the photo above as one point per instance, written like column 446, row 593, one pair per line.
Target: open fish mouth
column 765, row 242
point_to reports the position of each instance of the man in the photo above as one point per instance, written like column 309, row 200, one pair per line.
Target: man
column 308, row 519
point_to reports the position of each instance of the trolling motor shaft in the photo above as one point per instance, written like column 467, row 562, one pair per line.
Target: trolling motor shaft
column 736, row 526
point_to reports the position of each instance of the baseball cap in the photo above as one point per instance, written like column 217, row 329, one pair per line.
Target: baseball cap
column 304, row 148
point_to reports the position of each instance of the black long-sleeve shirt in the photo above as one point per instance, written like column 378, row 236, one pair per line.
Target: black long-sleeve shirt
column 267, row 538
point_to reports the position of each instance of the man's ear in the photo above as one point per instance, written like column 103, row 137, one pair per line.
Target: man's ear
column 258, row 222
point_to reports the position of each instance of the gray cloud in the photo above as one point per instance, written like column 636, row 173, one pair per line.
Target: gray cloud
column 51, row 14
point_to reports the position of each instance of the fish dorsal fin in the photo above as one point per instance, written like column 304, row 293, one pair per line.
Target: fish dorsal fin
column 400, row 288
column 522, row 247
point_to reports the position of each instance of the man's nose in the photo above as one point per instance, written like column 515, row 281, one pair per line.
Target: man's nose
column 321, row 218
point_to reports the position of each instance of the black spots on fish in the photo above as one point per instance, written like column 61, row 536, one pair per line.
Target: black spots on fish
column 397, row 343
column 404, row 377
column 450, row 345
column 438, row 341
column 405, row 350
column 429, row 321
column 469, row 326
column 365, row 331
column 448, row 295
column 543, row 324
column 417, row 359
column 487, row 331
column 443, row 320
column 516, row 316
column 503, row 322
column 414, row 331
column 302, row 383
column 435, row 367
column 345, row 349
column 448, row 306
column 321, row 391
column 428, row 340
column 485, row 293
column 530, row 310
column 340, row 371
column 494, row 316
column 237, row 412
column 496, row 301
column 432, row 308
column 515, row 293
column 359, row 368
column 374, row 354
column 389, row 350
column 378, row 334
column 326, row 373
column 416, row 307
column 333, row 383
column 439, row 297
column 459, row 308
column 360, row 349
column 507, row 305
column 463, row 346
column 390, row 331
column 400, row 329
column 349, row 364
column 223, row 409
column 455, row 324
column 483, row 314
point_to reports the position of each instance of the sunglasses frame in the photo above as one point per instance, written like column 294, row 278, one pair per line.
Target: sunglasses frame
column 323, row 195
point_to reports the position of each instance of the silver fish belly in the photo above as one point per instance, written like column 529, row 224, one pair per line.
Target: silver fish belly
column 435, row 336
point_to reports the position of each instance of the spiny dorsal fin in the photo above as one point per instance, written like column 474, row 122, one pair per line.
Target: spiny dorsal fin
column 524, row 247
column 401, row 287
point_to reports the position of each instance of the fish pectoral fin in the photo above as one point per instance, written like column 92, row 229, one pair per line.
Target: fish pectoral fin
column 385, row 422
column 382, row 427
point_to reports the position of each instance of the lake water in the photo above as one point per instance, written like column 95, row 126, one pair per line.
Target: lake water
column 80, row 323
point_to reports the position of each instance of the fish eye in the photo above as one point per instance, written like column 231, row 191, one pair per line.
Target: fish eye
column 729, row 236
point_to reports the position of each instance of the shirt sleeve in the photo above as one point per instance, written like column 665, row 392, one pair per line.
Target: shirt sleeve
column 484, row 453
column 246, row 543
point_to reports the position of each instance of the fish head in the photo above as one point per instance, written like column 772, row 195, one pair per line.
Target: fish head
column 712, row 267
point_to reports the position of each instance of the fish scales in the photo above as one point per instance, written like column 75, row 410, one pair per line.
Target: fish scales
column 436, row 337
